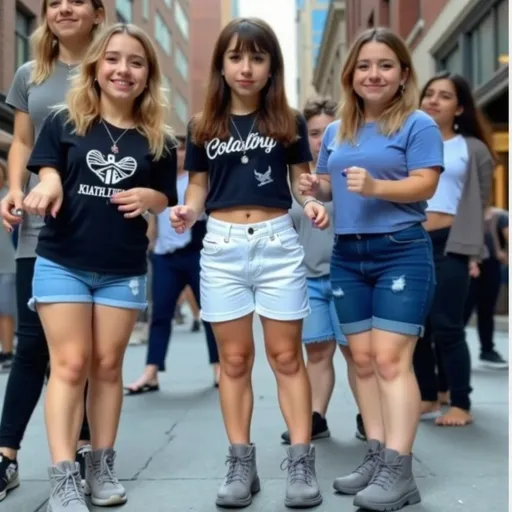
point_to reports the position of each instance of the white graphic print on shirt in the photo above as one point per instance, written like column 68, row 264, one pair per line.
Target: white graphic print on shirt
column 216, row 147
column 263, row 178
column 108, row 171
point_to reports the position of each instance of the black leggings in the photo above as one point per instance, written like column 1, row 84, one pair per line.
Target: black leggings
column 30, row 362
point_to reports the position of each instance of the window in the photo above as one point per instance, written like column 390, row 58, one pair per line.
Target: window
column 124, row 11
column 483, row 54
column 22, row 30
column 145, row 9
column 166, row 84
column 181, row 107
column 162, row 34
column 168, row 3
column 502, row 15
column 181, row 63
column 453, row 61
column 235, row 9
column 181, row 19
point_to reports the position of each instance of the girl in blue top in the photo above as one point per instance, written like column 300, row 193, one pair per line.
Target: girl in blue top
column 380, row 163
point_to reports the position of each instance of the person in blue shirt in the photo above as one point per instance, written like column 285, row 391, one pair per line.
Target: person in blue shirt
column 380, row 163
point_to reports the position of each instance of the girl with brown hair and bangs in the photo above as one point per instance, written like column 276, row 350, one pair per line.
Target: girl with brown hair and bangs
column 58, row 45
column 241, row 150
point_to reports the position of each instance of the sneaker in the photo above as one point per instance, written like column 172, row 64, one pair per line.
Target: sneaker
column 360, row 431
column 392, row 486
column 80, row 458
column 6, row 362
column 67, row 494
column 196, row 326
column 9, row 476
column 493, row 359
column 242, row 480
column 302, row 489
column 319, row 429
column 362, row 475
column 101, row 482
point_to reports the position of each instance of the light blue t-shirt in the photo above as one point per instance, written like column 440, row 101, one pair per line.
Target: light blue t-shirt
column 417, row 145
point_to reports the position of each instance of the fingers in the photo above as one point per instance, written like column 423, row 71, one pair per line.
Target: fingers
column 56, row 206
column 36, row 204
column 125, row 197
column 9, row 214
column 322, row 220
column 134, row 213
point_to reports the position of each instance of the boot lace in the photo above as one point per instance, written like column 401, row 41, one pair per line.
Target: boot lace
column 299, row 470
column 239, row 468
column 387, row 473
column 67, row 488
column 103, row 469
column 371, row 459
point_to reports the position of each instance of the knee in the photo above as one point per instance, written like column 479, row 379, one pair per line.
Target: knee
column 107, row 368
column 72, row 370
column 286, row 362
column 363, row 364
column 236, row 366
column 388, row 365
column 319, row 353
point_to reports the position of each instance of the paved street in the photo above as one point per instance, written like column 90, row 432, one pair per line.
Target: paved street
column 172, row 446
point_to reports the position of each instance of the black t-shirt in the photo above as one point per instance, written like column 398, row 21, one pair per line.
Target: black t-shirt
column 262, row 180
column 89, row 232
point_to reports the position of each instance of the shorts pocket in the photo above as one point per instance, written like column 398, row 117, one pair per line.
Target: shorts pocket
column 289, row 240
column 413, row 235
column 212, row 245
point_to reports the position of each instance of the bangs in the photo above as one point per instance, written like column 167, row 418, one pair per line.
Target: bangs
column 250, row 38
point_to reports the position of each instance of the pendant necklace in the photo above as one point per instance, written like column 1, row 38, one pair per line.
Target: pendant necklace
column 114, row 148
column 244, row 159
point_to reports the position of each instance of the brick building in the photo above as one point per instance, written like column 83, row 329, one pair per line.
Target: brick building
column 166, row 21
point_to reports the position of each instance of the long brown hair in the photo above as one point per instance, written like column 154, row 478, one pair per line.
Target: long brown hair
column 45, row 46
column 275, row 118
column 403, row 104
column 471, row 122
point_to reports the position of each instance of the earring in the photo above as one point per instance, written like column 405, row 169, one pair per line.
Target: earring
column 402, row 88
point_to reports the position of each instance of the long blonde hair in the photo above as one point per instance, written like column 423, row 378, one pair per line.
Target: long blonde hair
column 151, row 107
column 351, row 111
column 45, row 46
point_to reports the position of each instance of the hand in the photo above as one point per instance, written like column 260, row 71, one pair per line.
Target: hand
column 135, row 201
column 360, row 181
column 12, row 202
column 309, row 184
column 45, row 198
column 317, row 214
column 183, row 217
column 474, row 269
column 502, row 257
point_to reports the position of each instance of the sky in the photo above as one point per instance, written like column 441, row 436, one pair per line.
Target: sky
column 280, row 15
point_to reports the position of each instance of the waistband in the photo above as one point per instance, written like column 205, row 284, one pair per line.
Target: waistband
column 249, row 231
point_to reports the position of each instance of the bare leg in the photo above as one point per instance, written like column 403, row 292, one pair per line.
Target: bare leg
column 7, row 333
column 321, row 375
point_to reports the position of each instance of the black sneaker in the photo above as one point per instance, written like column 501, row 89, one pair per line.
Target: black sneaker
column 319, row 429
column 80, row 458
column 196, row 326
column 360, row 431
column 9, row 477
column 6, row 362
column 493, row 359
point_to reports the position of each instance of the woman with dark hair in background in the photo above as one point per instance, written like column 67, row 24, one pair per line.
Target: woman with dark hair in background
column 455, row 222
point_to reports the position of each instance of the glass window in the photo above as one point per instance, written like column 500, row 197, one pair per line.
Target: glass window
column 124, row 11
column 166, row 84
column 22, row 44
column 162, row 34
column 181, row 63
column 168, row 3
column 488, row 54
column 181, row 19
column 453, row 61
column 181, row 107
column 145, row 9
column 502, row 14
column 235, row 9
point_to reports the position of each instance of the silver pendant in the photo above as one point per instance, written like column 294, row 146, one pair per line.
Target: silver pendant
column 245, row 159
column 114, row 149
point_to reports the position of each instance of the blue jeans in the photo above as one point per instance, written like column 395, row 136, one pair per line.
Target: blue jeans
column 171, row 274
column 383, row 281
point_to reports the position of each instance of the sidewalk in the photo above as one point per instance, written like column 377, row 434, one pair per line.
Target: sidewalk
column 172, row 445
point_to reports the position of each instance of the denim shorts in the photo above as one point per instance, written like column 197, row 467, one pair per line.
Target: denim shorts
column 54, row 283
column 322, row 324
column 248, row 268
column 383, row 281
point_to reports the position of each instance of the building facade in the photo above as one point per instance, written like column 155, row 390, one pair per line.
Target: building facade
column 166, row 21
column 311, row 19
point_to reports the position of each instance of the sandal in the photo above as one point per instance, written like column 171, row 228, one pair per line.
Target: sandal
column 145, row 388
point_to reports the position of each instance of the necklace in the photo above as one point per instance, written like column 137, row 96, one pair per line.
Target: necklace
column 114, row 148
column 245, row 158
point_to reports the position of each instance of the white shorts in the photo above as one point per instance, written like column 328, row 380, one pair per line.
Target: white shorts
column 253, row 267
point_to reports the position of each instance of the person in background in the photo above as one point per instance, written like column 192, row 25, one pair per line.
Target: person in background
column 321, row 332
column 455, row 224
column 7, row 284
column 484, row 289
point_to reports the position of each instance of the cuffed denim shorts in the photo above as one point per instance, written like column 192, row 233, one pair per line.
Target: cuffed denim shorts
column 383, row 281
column 54, row 283
column 322, row 324
column 248, row 268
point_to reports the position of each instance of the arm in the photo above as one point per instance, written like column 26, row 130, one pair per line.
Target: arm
column 420, row 185
column 295, row 173
column 163, row 191
column 19, row 153
column 152, row 231
column 197, row 190
column 485, row 168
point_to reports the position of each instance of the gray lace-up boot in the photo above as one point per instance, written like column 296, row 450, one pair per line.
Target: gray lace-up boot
column 101, row 482
column 302, row 489
column 242, row 479
column 67, row 494
column 362, row 475
column 392, row 486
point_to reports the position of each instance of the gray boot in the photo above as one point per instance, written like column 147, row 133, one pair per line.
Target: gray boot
column 392, row 486
column 302, row 489
column 67, row 494
column 361, row 476
column 101, row 482
column 242, row 480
